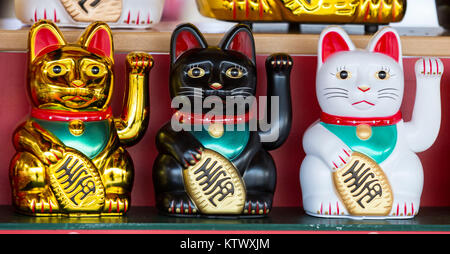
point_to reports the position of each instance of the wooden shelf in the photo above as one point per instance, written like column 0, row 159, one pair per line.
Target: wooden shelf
column 282, row 219
column 158, row 40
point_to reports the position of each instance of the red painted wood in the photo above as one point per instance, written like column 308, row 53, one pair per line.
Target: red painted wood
column 15, row 107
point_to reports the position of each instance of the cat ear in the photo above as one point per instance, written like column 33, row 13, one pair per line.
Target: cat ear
column 184, row 38
column 333, row 39
column 98, row 39
column 44, row 37
column 387, row 41
column 240, row 38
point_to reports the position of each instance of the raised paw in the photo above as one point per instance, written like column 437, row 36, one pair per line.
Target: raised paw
column 429, row 67
column 139, row 62
column 116, row 204
column 279, row 63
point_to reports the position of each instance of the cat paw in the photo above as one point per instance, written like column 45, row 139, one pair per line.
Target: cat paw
column 178, row 203
column 404, row 209
column 331, row 208
column 41, row 204
column 429, row 67
column 279, row 63
column 139, row 62
column 257, row 204
column 116, row 204
column 53, row 155
column 324, row 206
column 340, row 158
column 189, row 155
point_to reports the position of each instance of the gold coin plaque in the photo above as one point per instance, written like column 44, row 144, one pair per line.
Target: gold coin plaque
column 77, row 184
column 363, row 187
column 215, row 185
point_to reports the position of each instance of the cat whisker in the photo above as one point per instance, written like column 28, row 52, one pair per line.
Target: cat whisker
column 387, row 97
column 394, row 94
column 386, row 89
column 335, row 88
column 337, row 96
column 241, row 88
column 241, row 92
column 337, row 93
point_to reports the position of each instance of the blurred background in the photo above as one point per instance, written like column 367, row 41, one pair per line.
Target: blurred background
column 423, row 17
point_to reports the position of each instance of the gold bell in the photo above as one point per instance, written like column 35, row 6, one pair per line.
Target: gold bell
column 76, row 127
column 364, row 131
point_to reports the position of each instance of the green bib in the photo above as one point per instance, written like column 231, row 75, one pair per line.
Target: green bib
column 230, row 143
column 378, row 146
column 91, row 142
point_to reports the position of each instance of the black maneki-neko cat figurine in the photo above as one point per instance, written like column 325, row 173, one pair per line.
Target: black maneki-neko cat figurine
column 220, row 166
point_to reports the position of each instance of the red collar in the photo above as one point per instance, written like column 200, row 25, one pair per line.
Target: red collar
column 207, row 119
column 354, row 121
column 63, row 115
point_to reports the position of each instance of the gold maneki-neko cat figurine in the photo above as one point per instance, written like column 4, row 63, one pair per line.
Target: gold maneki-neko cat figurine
column 305, row 11
column 71, row 158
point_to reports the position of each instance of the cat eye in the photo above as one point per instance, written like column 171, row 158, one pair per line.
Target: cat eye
column 95, row 71
column 382, row 75
column 196, row 72
column 234, row 72
column 56, row 70
column 343, row 75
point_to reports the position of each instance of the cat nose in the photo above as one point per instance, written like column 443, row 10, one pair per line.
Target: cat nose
column 216, row 86
column 78, row 83
column 364, row 88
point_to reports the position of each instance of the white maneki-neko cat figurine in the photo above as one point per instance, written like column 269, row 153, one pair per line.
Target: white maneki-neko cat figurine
column 361, row 160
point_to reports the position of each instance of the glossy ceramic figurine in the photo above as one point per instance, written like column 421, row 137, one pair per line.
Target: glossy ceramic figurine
column 80, row 13
column 71, row 157
column 220, row 166
column 361, row 157
column 305, row 11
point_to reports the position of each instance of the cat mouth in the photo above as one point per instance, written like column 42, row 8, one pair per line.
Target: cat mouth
column 75, row 98
column 77, row 101
column 363, row 101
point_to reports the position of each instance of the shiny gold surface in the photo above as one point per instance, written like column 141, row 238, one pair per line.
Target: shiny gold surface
column 76, row 127
column 134, row 119
column 76, row 183
column 363, row 187
column 214, row 185
column 308, row 11
column 49, row 178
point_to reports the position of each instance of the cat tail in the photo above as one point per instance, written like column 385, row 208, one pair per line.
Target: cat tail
column 275, row 128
